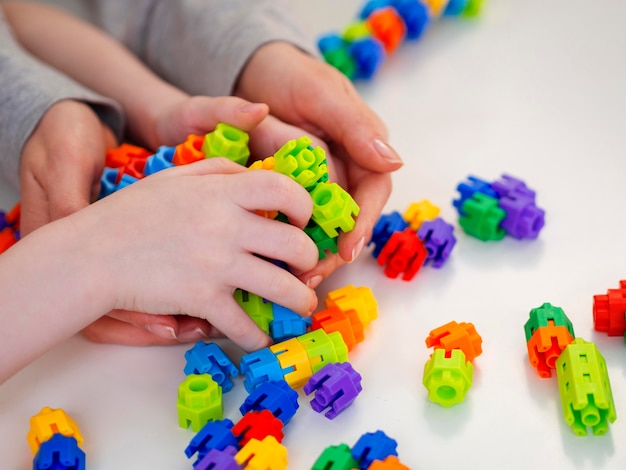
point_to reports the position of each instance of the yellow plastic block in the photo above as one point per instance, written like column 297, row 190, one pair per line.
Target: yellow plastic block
column 419, row 212
column 268, row 454
column 49, row 422
column 359, row 299
column 294, row 361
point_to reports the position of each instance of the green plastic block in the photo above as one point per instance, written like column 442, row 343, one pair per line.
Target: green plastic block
column 199, row 401
column 585, row 388
column 447, row 378
column 323, row 348
column 259, row 310
column 342, row 61
column 337, row 457
column 482, row 217
column 355, row 31
column 541, row 316
column 333, row 208
column 473, row 8
column 227, row 141
column 323, row 242
column 302, row 162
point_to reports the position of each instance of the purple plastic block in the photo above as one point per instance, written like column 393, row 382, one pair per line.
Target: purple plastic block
column 59, row 453
column 259, row 367
column 467, row 190
column 523, row 218
column 276, row 396
column 508, row 185
column 209, row 358
column 219, row 460
column 373, row 446
column 438, row 238
column 216, row 435
column 3, row 221
column 336, row 385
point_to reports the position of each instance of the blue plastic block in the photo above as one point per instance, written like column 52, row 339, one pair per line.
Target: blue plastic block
column 219, row 460
column 276, row 396
column 3, row 221
column 372, row 5
column 108, row 183
column 287, row 324
column 213, row 435
column 59, row 453
column 373, row 446
column 161, row 160
column 368, row 55
column 386, row 225
column 259, row 367
column 415, row 15
column 126, row 180
column 467, row 190
column 455, row 7
column 330, row 42
column 209, row 358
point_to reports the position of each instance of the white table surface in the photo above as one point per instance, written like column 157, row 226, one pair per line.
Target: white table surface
column 534, row 88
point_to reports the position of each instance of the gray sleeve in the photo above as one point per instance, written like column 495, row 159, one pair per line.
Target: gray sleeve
column 27, row 90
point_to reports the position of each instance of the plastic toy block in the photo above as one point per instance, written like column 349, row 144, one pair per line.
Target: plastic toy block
column 404, row 254
column 333, row 208
column 323, row 242
column 336, row 386
column 209, row 358
column 294, row 361
column 330, row 42
column 59, row 453
column 388, row 27
column 134, row 168
column 161, row 160
column 455, row 335
column 266, row 164
column 108, row 181
column 258, row 425
column 356, row 31
column 386, row 225
column 585, row 388
column 523, row 220
column 368, row 55
column 509, row 186
column 189, row 151
column 373, row 446
column 125, row 180
column 358, row 300
column 469, row 188
column 419, row 212
column 276, row 396
column 545, row 346
column 455, row 7
column 303, row 163
column 123, row 154
column 337, row 457
column 545, row 315
column 256, row 307
column 415, row 15
column 482, row 217
column 323, row 348
column 213, row 435
column 287, row 324
column 438, row 238
column 333, row 319
column 48, row 422
column 448, row 377
column 13, row 216
column 219, row 460
column 3, row 221
column 436, row 6
column 609, row 311
column 199, row 401
column 259, row 367
column 342, row 61
column 473, row 8
column 227, row 141
column 390, row 463
column 268, row 454
column 7, row 239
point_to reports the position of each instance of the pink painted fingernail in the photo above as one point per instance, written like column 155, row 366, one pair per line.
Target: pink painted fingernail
column 356, row 251
column 162, row 331
column 196, row 334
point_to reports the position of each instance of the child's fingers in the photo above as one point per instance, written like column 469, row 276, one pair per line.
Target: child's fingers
column 111, row 330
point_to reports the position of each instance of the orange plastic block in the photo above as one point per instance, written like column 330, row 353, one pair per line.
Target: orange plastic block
column 7, row 239
column 48, row 422
column 455, row 335
column 294, row 361
column 334, row 319
column 13, row 216
column 388, row 27
column 357, row 301
column 122, row 155
column 390, row 463
column 609, row 311
column 268, row 454
column 404, row 253
column 546, row 345
column 189, row 151
column 419, row 212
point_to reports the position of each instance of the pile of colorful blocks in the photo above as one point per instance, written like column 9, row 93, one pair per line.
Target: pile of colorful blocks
column 581, row 371
column 9, row 227
column 382, row 26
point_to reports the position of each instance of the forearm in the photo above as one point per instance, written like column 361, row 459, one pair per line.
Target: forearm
column 97, row 61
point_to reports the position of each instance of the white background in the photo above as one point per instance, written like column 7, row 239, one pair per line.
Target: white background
column 534, row 88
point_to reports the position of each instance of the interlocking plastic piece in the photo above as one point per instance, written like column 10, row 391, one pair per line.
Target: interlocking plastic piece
column 390, row 463
column 455, row 335
column 386, row 225
column 125, row 180
column 259, row 367
column 257, row 425
column 256, row 307
column 404, row 254
column 266, row 164
column 419, row 212
column 415, row 15
column 227, row 141
column 323, row 348
column 523, row 218
column 123, row 154
column 609, row 311
column 469, row 188
column 336, row 386
column 373, row 446
column 545, row 315
column 357, row 300
column 436, row 6
column 161, row 160
column 47, row 423
column 294, row 361
column 213, row 435
column 482, row 217
column 368, row 55
column 268, row 454
column 545, row 346
column 448, row 377
column 199, row 401
column 438, row 238
column 323, row 242
column 189, row 151
column 276, row 396
column 13, row 216
column 303, row 163
column 337, row 457
column 388, row 27
column 333, row 208
column 209, row 358
column 473, row 8
column 334, row 319
column 59, row 453
column 286, row 323
column 338, row 57
column 585, row 388
column 7, row 239
column 356, row 31
column 219, row 460
column 455, row 7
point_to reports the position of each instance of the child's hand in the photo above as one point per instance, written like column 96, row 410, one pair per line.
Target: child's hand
column 315, row 97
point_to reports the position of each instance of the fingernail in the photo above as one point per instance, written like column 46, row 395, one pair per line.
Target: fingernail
column 162, row 331
column 196, row 334
column 314, row 281
column 386, row 151
column 250, row 107
column 356, row 251
column 313, row 305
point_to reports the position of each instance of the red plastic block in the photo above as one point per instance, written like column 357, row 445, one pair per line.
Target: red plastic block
column 7, row 239
column 13, row 216
column 546, row 345
column 388, row 27
column 404, row 254
column 258, row 425
column 609, row 311
column 189, row 151
column 455, row 335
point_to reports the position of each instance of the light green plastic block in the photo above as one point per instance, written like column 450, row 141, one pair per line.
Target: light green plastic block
column 227, row 141
column 199, row 401
column 333, row 208
column 303, row 163
column 447, row 378
column 260, row 311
